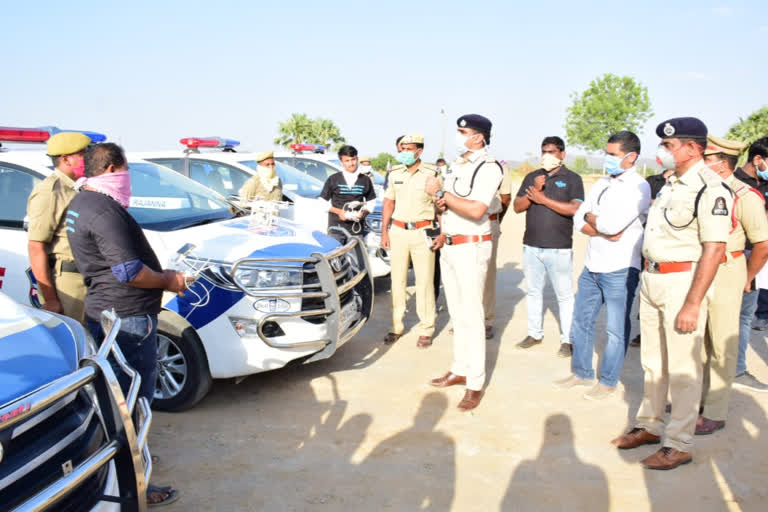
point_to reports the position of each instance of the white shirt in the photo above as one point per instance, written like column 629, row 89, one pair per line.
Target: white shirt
column 620, row 204
column 457, row 180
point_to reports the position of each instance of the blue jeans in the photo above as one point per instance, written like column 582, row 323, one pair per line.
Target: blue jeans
column 137, row 340
column 617, row 291
column 762, row 304
column 748, row 307
column 539, row 263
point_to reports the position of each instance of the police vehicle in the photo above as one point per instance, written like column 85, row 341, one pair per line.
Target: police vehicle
column 267, row 290
column 224, row 171
column 69, row 438
column 312, row 159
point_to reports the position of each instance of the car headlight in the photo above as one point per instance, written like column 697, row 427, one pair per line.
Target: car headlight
column 254, row 277
column 373, row 222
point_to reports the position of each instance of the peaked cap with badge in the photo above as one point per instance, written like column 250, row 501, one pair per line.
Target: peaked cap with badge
column 716, row 145
column 260, row 157
column 476, row 122
column 678, row 127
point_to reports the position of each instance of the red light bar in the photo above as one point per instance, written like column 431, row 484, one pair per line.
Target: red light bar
column 194, row 142
column 23, row 135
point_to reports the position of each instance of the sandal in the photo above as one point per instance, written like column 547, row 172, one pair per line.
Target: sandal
column 162, row 495
column 391, row 338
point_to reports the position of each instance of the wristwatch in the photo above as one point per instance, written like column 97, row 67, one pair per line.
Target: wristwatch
column 440, row 194
column 585, row 217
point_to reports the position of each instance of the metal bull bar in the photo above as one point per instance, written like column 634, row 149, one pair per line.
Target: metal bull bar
column 330, row 292
column 125, row 445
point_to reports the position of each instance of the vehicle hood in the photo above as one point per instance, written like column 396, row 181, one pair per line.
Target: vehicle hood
column 242, row 237
column 36, row 347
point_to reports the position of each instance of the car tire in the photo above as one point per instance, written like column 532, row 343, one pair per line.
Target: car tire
column 183, row 377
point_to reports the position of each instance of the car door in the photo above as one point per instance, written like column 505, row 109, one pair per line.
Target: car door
column 16, row 279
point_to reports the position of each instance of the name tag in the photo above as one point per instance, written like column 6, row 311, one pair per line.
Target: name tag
column 398, row 182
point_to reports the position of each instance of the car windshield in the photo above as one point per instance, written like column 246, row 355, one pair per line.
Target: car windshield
column 162, row 200
column 294, row 180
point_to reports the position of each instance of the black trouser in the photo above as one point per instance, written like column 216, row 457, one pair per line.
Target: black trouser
column 436, row 279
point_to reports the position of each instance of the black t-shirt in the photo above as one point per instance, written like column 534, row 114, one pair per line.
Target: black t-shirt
column 657, row 182
column 545, row 228
column 104, row 235
column 339, row 193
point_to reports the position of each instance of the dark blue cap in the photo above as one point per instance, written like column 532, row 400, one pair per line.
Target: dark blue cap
column 475, row 122
column 682, row 127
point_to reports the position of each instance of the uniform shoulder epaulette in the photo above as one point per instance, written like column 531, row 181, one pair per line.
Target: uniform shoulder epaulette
column 429, row 167
column 741, row 189
column 710, row 177
column 489, row 159
column 398, row 167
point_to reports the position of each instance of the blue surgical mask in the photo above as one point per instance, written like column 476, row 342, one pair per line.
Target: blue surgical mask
column 612, row 165
column 406, row 158
column 763, row 174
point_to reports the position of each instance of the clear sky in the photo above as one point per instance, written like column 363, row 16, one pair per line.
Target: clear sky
column 150, row 72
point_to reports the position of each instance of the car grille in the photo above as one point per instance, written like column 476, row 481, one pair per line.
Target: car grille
column 373, row 222
column 346, row 271
column 35, row 457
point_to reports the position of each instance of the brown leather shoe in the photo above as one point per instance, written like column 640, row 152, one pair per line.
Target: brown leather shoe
column 706, row 426
column 489, row 332
column 424, row 342
column 391, row 337
column 529, row 342
column 471, row 400
column 449, row 379
column 634, row 438
column 666, row 458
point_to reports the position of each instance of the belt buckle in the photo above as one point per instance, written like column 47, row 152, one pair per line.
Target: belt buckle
column 652, row 266
column 410, row 225
column 448, row 240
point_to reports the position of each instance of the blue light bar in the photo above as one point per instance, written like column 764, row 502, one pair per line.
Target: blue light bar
column 94, row 136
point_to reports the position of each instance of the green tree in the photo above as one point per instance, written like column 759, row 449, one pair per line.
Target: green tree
column 750, row 129
column 325, row 131
column 381, row 161
column 610, row 104
column 580, row 164
column 296, row 130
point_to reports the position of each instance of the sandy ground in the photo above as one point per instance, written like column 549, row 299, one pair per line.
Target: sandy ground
column 365, row 431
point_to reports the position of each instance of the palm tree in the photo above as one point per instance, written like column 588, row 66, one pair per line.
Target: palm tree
column 325, row 131
column 296, row 130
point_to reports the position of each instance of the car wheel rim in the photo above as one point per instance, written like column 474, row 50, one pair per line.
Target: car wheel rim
column 171, row 368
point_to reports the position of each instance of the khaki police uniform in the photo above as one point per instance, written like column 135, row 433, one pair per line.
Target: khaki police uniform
column 672, row 361
column 46, row 209
column 494, row 215
column 255, row 189
column 414, row 212
column 465, row 265
column 722, row 335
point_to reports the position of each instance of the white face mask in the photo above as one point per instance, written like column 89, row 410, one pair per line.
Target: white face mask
column 664, row 158
column 550, row 162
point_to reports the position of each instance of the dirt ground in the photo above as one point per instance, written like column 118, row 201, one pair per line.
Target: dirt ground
column 365, row 431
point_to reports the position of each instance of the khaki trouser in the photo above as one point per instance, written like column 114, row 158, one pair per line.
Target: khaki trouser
column 464, row 267
column 722, row 337
column 489, row 292
column 409, row 245
column 70, row 290
column 672, row 360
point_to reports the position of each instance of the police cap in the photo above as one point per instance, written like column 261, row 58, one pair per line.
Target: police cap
column 412, row 138
column 67, row 143
column 260, row 157
column 686, row 127
column 365, row 159
column 716, row 145
column 475, row 122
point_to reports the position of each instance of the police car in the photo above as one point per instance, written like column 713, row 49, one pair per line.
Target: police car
column 224, row 171
column 68, row 437
column 313, row 160
column 268, row 291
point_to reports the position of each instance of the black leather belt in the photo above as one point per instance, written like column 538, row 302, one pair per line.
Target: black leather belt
column 66, row 265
